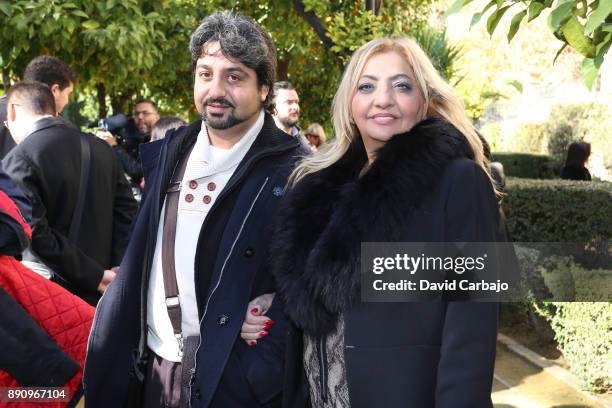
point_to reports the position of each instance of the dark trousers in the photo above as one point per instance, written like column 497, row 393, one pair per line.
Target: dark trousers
column 162, row 386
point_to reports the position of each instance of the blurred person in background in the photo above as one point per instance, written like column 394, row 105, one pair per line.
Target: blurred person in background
column 163, row 125
column 315, row 135
column 577, row 155
column 138, row 131
column 286, row 108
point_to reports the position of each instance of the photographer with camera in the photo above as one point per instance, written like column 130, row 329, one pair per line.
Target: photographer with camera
column 127, row 140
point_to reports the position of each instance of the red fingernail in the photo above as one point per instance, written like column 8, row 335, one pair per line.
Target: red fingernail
column 269, row 322
column 253, row 342
column 254, row 310
column 263, row 334
column 266, row 327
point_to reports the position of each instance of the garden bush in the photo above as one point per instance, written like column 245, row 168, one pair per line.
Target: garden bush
column 581, row 329
column 524, row 165
column 574, row 212
column 558, row 210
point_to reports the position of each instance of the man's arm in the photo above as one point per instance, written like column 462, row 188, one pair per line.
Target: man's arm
column 49, row 244
column 23, row 202
column 131, row 166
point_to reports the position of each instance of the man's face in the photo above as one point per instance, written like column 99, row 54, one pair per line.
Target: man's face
column 226, row 92
column 145, row 116
column 61, row 96
column 287, row 107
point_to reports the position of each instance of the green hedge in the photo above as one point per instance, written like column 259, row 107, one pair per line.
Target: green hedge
column 558, row 210
column 532, row 166
column 583, row 330
column 567, row 211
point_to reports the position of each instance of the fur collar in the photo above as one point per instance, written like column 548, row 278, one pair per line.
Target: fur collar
column 325, row 217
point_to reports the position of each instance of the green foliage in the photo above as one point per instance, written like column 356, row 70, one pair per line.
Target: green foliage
column 530, row 137
column 138, row 48
column 116, row 46
column 581, row 25
column 558, row 210
column 582, row 331
column 527, row 166
column 571, row 122
column 442, row 54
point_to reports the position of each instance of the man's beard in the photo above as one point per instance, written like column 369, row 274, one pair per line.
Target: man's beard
column 288, row 122
column 221, row 123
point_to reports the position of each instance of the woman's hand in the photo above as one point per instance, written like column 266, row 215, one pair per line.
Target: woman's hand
column 256, row 325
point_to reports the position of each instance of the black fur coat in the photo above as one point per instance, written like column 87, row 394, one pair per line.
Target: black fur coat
column 327, row 215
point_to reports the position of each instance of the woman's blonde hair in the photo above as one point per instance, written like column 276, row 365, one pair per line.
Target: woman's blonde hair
column 439, row 99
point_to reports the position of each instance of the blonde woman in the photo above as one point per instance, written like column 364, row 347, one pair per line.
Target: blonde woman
column 406, row 165
column 315, row 135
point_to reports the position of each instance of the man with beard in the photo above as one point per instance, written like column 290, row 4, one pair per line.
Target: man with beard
column 169, row 323
column 287, row 108
column 137, row 132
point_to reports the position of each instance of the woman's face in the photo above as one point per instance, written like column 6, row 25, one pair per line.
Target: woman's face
column 387, row 100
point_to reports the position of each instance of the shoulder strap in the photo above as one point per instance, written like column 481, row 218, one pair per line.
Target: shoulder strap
column 168, row 244
column 77, row 215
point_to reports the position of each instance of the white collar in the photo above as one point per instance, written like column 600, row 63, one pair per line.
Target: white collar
column 202, row 161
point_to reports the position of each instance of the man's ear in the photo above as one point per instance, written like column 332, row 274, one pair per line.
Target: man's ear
column 265, row 90
column 11, row 112
column 55, row 90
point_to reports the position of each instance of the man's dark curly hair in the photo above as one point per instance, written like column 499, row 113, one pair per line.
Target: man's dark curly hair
column 240, row 39
column 50, row 70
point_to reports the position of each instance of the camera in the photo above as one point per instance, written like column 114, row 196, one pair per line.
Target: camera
column 113, row 123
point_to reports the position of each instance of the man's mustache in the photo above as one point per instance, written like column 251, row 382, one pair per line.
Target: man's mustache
column 219, row 101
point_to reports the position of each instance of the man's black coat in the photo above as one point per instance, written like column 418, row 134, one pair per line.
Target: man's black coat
column 47, row 167
column 230, row 269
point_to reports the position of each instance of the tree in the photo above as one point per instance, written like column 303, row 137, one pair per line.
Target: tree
column 585, row 26
column 115, row 46
column 134, row 48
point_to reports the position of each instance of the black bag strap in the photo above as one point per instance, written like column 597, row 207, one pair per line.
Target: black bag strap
column 77, row 215
column 168, row 245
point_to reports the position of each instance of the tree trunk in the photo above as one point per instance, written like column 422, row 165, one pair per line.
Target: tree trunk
column 119, row 102
column 312, row 19
column 283, row 69
column 102, row 111
column 374, row 6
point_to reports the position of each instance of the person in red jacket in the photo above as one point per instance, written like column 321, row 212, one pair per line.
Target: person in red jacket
column 44, row 328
